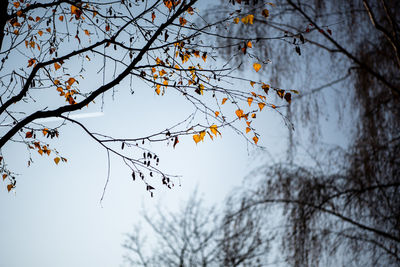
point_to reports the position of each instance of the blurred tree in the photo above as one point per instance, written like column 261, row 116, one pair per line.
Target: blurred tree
column 198, row 236
column 49, row 48
column 343, row 208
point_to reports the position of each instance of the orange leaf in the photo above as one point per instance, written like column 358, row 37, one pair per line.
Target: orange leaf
column 31, row 62
column 57, row 66
column 204, row 56
column 57, row 160
column 249, row 100
column 45, row 131
column 71, row 81
column 255, row 139
column 249, row 44
column 61, row 18
column 158, row 89
column 87, row 32
column 248, row 129
column 261, row 105
column 257, row 66
column 224, row 100
column 239, row 113
column 9, row 187
column 214, row 130
column 236, row 20
column 4, row 176
column 216, row 113
column 153, row 16
column 29, row 134
column 16, row 4
column 252, row 83
column 182, row 21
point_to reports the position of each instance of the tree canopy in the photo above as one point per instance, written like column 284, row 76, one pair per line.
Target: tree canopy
column 61, row 57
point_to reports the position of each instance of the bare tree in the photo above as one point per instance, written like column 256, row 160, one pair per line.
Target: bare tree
column 197, row 236
column 340, row 206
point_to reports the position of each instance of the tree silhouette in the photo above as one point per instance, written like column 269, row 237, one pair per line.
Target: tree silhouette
column 339, row 206
column 198, row 236
column 48, row 49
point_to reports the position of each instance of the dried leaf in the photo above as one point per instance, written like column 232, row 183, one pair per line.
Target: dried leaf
column 255, row 139
column 57, row 160
column 257, row 66
column 57, row 66
column 249, row 100
column 261, row 105
column 29, row 134
column 224, row 100
column 239, row 113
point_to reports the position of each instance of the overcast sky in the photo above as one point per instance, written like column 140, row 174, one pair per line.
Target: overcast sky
column 55, row 218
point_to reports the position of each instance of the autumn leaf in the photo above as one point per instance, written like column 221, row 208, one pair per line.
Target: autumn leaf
column 45, row 131
column 265, row 13
column 9, row 187
column 61, row 18
column 257, row 66
column 236, row 20
column 214, row 129
column 249, row 100
column 153, row 16
column 176, row 141
column 16, row 5
column 71, row 81
column 29, row 134
column 248, row 129
column 261, row 105
column 87, row 32
column 265, row 87
column 252, row 83
column 288, row 97
column 107, row 28
column 224, row 100
column 57, row 66
column 248, row 19
column 158, row 89
column 31, row 62
column 295, row 91
column 196, row 138
column 57, row 160
column 249, row 44
column 40, row 33
column 182, row 21
column 255, row 139
column 216, row 113
column 4, row 176
column 239, row 113
column 190, row 10
column 204, row 56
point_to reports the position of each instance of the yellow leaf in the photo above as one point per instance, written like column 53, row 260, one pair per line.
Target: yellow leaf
column 57, row 160
column 216, row 113
column 249, row 100
column 214, row 130
column 255, row 139
column 196, row 138
column 249, row 44
column 224, row 100
column 252, row 83
column 257, row 66
column 236, row 20
column 57, row 66
column 248, row 129
column 261, row 106
column 239, row 113
column 158, row 89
